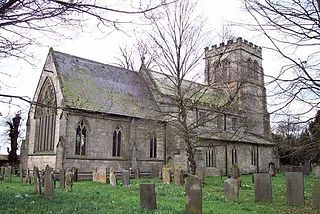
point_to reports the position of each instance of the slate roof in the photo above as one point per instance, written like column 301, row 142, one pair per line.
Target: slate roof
column 104, row 88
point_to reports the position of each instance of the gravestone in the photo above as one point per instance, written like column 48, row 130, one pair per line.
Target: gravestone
column 100, row 175
column 2, row 171
column 7, row 173
column 316, row 194
column 37, row 181
column 48, row 182
column 231, row 189
column 166, row 174
column 262, row 187
column 193, row 194
column 178, row 176
column 148, row 197
column 28, row 177
column 235, row 171
column 272, row 169
column 75, row 174
column 62, row 179
column 200, row 173
column 316, row 171
column 294, row 188
column 69, row 180
column 154, row 171
column 125, row 178
column 112, row 177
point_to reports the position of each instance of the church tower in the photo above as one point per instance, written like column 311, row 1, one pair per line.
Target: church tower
column 238, row 65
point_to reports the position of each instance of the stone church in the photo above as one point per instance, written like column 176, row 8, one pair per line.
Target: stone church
column 89, row 115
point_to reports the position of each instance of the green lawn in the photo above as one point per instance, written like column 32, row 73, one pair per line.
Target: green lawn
column 89, row 197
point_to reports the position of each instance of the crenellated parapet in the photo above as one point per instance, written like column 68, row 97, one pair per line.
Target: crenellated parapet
column 232, row 45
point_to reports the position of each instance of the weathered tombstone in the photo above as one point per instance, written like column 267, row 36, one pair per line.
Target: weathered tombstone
column 231, row 189
column 148, row 197
column 28, row 177
column 37, row 181
column 317, row 171
column 62, row 179
column 262, row 187
column 69, row 180
column 316, row 194
column 125, row 177
column 75, row 174
column 193, row 194
column 200, row 173
column 7, row 173
column 48, row 182
column 154, row 171
column 166, row 174
column 100, row 175
column 295, row 188
column 272, row 169
column 2, row 171
column 112, row 177
column 178, row 176
column 235, row 171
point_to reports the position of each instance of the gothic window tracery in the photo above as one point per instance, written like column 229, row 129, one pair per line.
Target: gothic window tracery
column 45, row 116
column 116, row 146
column 81, row 138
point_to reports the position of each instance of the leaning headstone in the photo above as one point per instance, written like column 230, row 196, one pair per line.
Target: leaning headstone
column 69, row 180
column 148, row 197
column 48, row 183
column 166, row 174
column 235, row 171
column 262, row 187
column 200, row 173
column 295, row 188
column 178, row 176
column 193, row 195
column 231, row 189
column 112, row 177
column 125, row 178
column 62, row 179
column 316, row 171
column 154, row 171
column 37, row 181
column 316, row 194
column 272, row 169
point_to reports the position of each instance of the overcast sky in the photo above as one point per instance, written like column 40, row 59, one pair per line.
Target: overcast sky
column 104, row 47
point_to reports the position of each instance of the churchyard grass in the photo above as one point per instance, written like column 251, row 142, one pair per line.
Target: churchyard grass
column 89, row 197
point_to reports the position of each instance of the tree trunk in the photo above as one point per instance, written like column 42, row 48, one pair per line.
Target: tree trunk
column 191, row 161
column 14, row 134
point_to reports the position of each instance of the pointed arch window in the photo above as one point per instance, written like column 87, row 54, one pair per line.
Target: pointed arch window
column 153, row 146
column 81, row 138
column 253, row 156
column 116, row 145
column 234, row 155
column 45, row 116
column 211, row 157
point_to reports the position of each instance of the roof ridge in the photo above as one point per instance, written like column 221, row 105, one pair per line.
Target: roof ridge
column 91, row 61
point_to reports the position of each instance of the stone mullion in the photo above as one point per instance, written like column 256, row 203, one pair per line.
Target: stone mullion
column 49, row 132
column 53, row 126
column 45, row 142
column 40, row 134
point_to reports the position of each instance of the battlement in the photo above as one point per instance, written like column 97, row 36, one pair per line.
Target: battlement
column 233, row 44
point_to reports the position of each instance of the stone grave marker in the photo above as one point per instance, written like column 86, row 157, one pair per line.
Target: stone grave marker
column 178, row 176
column 148, row 197
column 154, row 171
column 48, row 182
column 37, row 181
column 294, row 188
column 75, row 174
column 316, row 171
column 125, row 178
column 193, row 194
column 316, row 194
column 262, row 187
column 200, row 173
column 231, row 189
column 100, row 175
column 272, row 169
column 69, row 180
column 7, row 173
column 28, row 177
column 235, row 171
column 112, row 177
column 2, row 171
column 62, row 179
column 166, row 174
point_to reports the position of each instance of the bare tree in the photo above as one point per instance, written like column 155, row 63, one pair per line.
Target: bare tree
column 13, row 133
column 176, row 44
column 293, row 30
